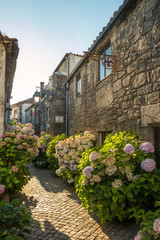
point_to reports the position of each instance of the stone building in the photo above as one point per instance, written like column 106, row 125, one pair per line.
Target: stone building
column 52, row 105
column 126, row 94
column 8, row 57
column 18, row 110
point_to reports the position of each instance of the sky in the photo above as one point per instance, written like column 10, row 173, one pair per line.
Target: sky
column 48, row 29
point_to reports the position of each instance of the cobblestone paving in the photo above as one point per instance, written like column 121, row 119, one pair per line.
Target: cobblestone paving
column 57, row 212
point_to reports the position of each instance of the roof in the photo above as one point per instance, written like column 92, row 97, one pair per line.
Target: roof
column 63, row 60
column 126, row 4
column 31, row 106
column 29, row 100
column 12, row 51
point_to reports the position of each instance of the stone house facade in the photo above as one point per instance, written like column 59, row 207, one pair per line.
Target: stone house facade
column 8, row 58
column 18, row 110
column 127, row 97
column 52, row 108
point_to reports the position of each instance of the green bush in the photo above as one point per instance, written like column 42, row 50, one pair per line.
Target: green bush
column 149, row 223
column 14, row 220
column 50, row 152
column 18, row 147
column 43, row 143
column 69, row 153
column 119, row 176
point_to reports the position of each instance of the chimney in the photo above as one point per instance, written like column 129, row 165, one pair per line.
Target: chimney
column 42, row 85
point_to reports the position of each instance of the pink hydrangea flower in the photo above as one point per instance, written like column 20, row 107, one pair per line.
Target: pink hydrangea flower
column 148, row 165
column 156, row 225
column 2, row 136
column 138, row 237
column 2, row 189
column 93, row 156
column 146, row 147
column 129, row 149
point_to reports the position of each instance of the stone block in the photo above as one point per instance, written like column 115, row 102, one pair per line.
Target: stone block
column 148, row 25
column 104, row 96
column 126, row 81
column 156, row 33
column 149, row 5
column 150, row 114
column 145, row 90
column 122, row 118
column 117, row 85
column 121, row 93
column 153, row 97
column 139, row 80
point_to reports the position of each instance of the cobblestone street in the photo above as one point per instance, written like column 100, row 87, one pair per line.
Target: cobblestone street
column 57, row 212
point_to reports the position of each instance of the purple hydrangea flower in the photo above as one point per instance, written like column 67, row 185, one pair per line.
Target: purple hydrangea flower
column 75, row 167
column 94, row 156
column 87, row 171
column 146, row 147
column 148, row 165
column 129, row 149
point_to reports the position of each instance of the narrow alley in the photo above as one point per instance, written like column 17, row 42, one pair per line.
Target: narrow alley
column 57, row 212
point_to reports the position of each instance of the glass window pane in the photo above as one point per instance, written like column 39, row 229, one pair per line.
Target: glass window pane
column 108, row 52
column 101, row 70
column 78, row 86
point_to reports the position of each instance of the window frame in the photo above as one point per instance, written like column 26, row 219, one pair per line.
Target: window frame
column 102, row 51
column 78, row 79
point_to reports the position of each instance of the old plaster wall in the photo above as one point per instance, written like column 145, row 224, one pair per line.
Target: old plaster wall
column 130, row 97
column 2, row 86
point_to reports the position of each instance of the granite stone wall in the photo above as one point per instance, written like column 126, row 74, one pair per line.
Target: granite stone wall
column 128, row 99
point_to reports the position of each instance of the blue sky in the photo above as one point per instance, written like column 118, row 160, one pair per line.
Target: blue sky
column 46, row 30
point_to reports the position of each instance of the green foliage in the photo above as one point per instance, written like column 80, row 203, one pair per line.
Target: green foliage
column 117, row 182
column 50, row 152
column 14, row 220
column 17, row 148
column 147, row 221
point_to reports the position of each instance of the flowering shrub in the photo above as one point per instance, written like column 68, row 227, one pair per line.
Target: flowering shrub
column 50, row 152
column 14, row 220
column 117, row 176
column 150, row 223
column 69, row 153
column 43, row 144
column 18, row 147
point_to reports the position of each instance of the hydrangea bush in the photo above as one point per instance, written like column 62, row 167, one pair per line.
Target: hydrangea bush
column 43, row 144
column 69, row 153
column 18, row 146
column 14, row 220
column 149, row 223
column 50, row 152
column 117, row 176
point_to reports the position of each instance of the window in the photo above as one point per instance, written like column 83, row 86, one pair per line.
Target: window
column 103, row 72
column 102, row 136
column 16, row 114
column 78, row 85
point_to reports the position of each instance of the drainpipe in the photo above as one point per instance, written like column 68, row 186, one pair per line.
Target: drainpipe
column 66, row 86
